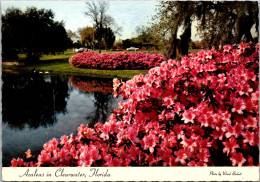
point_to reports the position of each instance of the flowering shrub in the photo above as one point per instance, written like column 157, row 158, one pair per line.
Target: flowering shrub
column 199, row 111
column 90, row 85
column 116, row 61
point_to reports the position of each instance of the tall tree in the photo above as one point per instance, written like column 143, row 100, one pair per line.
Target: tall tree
column 98, row 14
column 33, row 32
column 172, row 16
column 219, row 22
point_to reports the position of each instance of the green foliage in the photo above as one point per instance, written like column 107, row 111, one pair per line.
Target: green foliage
column 109, row 38
column 146, row 38
column 32, row 32
column 87, row 36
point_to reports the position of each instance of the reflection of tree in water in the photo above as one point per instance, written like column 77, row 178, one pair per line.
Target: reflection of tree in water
column 102, row 108
column 33, row 99
column 102, row 90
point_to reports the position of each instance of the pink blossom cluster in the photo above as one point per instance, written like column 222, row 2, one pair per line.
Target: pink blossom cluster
column 201, row 110
column 139, row 60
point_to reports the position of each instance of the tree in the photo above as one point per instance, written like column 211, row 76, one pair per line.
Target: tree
column 98, row 14
column 10, row 33
column 173, row 15
column 146, row 37
column 230, row 22
column 87, row 36
column 101, row 20
column 32, row 32
column 109, row 38
column 118, row 44
column 219, row 22
column 72, row 35
column 127, row 43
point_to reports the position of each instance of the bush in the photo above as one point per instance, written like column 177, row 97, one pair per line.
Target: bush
column 117, row 61
column 199, row 111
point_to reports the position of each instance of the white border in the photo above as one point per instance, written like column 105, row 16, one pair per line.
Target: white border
column 131, row 174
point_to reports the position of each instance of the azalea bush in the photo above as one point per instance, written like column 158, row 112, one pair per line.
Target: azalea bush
column 92, row 85
column 117, row 61
column 201, row 110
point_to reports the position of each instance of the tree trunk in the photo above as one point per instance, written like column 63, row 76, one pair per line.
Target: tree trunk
column 183, row 47
column 171, row 50
column 99, row 46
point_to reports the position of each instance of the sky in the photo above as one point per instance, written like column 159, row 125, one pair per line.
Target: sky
column 127, row 14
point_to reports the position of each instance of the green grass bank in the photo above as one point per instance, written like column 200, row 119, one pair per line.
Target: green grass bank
column 58, row 64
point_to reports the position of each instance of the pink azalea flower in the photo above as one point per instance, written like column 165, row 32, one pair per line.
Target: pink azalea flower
column 132, row 134
column 63, row 140
column 168, row 101
column 164, row 155
column 189, row 143
column 151, row 160
column 251, row 122
column 203, row 155
column 115, row 162
column 180, row 156
column 239, row 106
column 105, row 131
column 116, row 84
column 171, row 140
column 44, row 158
column 63, row 155
column 237, row 159
column 249, row 137
column 200, row 163
column 17, row 163
column 188, row 116
column 71, row 139
column 238, row 130
column 230, row 145
column 227, row 48
column 150, row 142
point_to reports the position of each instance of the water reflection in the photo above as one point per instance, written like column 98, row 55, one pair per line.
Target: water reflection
column 33, row 99
column 89, row 85
column 102, row 89
column 37, row 108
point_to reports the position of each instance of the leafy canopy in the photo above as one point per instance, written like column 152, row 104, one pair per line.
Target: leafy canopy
column 32, row 32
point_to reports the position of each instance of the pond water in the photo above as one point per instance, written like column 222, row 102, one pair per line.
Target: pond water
column 37, row 108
